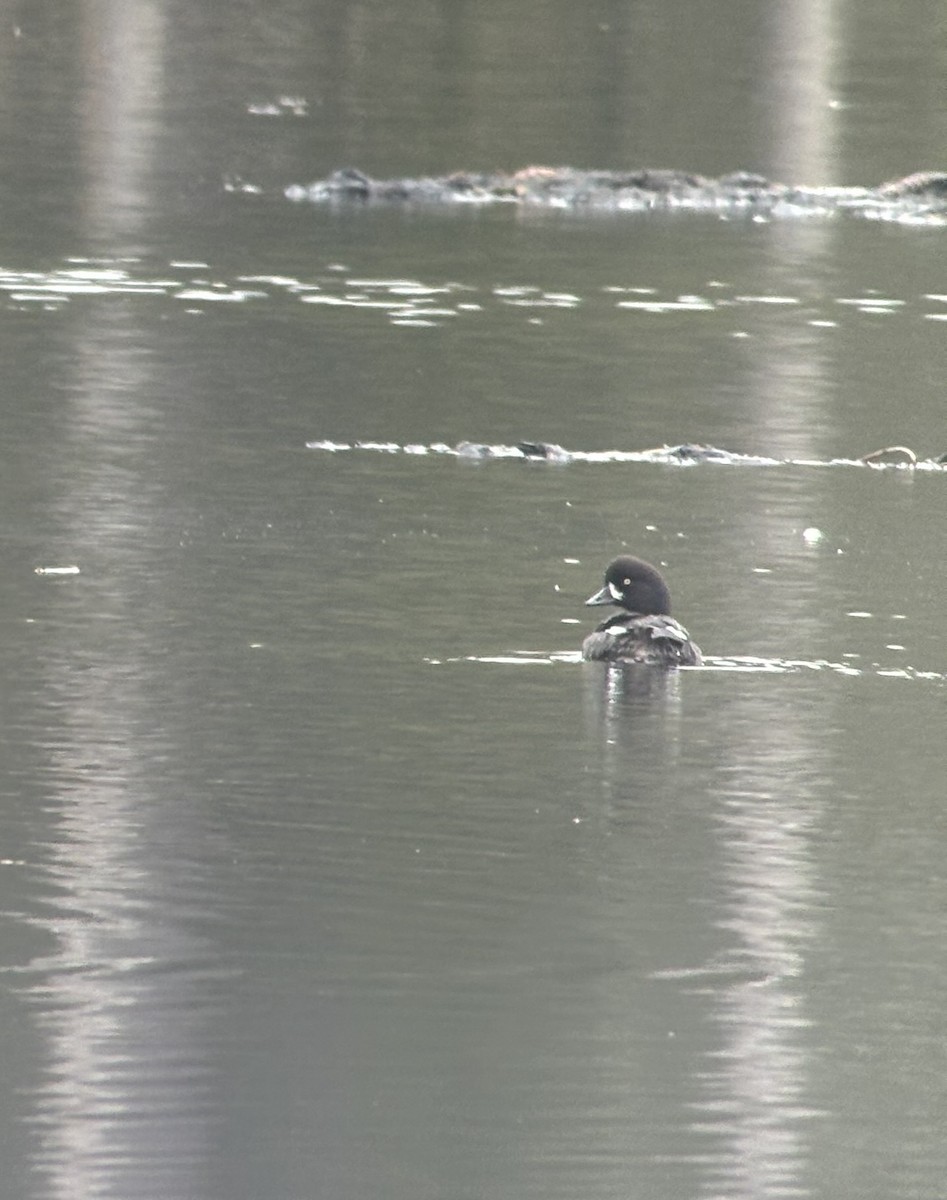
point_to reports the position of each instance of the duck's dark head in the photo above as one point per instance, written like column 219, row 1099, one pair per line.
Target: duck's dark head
column 636, row 586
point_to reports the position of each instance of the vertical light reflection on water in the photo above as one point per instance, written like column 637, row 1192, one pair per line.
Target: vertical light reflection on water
column 122, row 1003
column 126, row 1001
column 118, row 129
column 789, row 366
column 803, row 51
column 755, row 1084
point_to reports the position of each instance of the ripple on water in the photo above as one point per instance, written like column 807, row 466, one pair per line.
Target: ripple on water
column 432, row 303
column 745, row 664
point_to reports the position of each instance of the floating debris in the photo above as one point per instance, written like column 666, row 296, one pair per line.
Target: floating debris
column 686, row 454
column 920, row 198
column 70, row 570
column 294, row 106
column 890, row 456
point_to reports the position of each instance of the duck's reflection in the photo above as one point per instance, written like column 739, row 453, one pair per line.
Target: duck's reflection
column 753, row 806
column 632, row 710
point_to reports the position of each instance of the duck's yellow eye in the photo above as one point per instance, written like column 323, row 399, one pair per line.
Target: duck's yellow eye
column 626, row 583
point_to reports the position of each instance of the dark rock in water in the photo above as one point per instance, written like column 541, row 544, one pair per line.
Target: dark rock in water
column 545, row 450
column 656, row 181
column 349, row 182
column 745, row 181
column 924, row 184
column 694, row 452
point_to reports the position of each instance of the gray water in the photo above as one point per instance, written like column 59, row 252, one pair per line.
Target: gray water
column 326, row 868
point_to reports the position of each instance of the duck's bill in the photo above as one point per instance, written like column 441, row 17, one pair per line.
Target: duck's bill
column 602, row 597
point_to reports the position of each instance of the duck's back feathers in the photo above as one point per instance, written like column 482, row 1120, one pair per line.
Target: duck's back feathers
column 656, row 640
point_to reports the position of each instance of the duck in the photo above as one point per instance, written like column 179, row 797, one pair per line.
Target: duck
column 644, row 630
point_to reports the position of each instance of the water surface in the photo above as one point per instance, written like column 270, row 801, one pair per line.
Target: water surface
column 327, row 868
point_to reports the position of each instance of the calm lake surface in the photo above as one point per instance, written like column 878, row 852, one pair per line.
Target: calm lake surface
column 327, row 870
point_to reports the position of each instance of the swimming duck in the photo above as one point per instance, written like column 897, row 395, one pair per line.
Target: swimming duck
column 645, row 631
